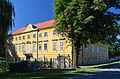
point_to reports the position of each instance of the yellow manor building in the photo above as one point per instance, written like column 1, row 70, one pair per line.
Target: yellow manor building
column 41, row 42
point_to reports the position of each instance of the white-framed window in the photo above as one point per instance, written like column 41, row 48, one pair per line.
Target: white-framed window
column 19, row 37
column 45, row 34
column 45, row 46
column 54, row 45
column 34, row 35
column 23, row 37
column 86, row 48
column 40, row 35
column 40, row 46
column 61, row 45
column 54, row 32
column 34, row 47
column 93, row 49
column 28, row 48
column 23, row 47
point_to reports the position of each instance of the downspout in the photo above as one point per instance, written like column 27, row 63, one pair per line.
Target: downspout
column 37, row 45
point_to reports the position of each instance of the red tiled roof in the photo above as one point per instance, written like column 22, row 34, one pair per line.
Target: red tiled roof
column 39, row 25
column 45, row 24
column 20, row 30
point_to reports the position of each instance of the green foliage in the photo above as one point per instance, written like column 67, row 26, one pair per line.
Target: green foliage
column 6, row 21
column 114, row 49
column 87, row 20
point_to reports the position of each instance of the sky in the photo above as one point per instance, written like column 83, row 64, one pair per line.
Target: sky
column 34, row 11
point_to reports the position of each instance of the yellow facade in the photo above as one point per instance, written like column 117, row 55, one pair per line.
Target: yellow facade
column 33, row 41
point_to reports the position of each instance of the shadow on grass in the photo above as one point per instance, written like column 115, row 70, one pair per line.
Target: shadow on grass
column 43, row 74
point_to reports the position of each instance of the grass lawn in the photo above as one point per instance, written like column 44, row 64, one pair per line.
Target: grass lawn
column 54, row 74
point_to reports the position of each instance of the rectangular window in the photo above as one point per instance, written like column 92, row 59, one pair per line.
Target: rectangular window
column 45, row 46
column 23, row 47
column 54, row 32
column 40, row 46
column 28, row 48
column 61, row 45
column 23, row 37
column 86, row 48
column 40, row 35
column 93, row 48
column 34, row 35
column 54, row 45
column 20, row 38
column 34, row 47
column 28, row 36
column 45, row 34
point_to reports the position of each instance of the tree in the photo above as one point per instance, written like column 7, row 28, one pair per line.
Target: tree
column 84, row 21
column 114, row 49
column 6, row 21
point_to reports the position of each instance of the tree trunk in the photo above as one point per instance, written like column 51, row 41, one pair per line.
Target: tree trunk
column 74, row 58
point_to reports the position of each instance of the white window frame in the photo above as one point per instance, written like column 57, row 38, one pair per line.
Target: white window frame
column 23, row 47
column 62, row 46
column 47, row 46
column 35, row 35
column 54, row 46
column 40, row 33
column 45, row 36
column 54, row 33
column 40, row 44
column 28, row 48
column 34, row 47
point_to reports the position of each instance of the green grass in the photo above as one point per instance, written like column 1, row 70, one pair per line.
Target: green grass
column 54, row 74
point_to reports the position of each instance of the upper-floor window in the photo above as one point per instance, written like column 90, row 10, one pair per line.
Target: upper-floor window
column 16, row 48
column 34, row 35
column 23, row 37
column 20, row 38
column 28, row 36
column 54, row 32
column 54, row 46
column 40, row 35
column 61, row 45
column 45, row 34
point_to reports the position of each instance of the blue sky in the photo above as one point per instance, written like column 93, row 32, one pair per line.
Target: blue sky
column 34, row 11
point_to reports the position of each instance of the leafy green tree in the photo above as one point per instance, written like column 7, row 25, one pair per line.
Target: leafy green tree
column 114, row 49
column 83, row 21
column 6, row 20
